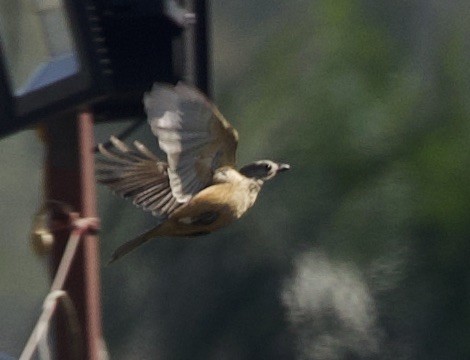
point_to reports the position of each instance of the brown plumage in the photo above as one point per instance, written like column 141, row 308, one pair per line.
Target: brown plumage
column 197, row 190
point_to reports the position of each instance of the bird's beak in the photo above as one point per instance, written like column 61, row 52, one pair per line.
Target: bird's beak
column 283, row 167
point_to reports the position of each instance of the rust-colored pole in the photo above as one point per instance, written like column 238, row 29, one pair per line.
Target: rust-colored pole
column 90, row 242
column 70, row 179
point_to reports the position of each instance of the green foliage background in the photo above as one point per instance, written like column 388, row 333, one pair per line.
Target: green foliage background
column 368, row 101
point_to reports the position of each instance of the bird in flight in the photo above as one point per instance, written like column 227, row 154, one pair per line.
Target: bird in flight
column 198, row 189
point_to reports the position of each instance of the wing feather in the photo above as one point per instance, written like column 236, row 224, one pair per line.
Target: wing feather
column 137, row 174
column 193, row 133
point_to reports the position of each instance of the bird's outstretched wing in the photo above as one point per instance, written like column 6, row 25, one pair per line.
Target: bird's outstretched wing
column 137, row 174
column 193, row 133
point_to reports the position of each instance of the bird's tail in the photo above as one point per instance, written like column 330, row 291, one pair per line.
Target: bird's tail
column 132, row 244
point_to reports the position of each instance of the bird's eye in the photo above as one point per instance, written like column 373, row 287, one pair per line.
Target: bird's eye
column 268, row 167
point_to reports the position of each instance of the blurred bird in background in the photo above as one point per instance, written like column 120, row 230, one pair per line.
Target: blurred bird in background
column 198, row 190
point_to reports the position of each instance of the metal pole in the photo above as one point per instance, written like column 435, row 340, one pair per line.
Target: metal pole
column 90, row 242
column 202, row 39
column 70, row 179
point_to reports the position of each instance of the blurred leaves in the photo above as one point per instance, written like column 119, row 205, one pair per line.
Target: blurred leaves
column 360, row 251
column 368, row 102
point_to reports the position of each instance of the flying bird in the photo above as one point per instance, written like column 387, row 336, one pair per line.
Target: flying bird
column 197, row 189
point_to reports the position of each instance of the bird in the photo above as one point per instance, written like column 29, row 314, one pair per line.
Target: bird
column 198, row 189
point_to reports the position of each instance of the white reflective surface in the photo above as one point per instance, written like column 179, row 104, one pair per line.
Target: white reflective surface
column 37, row 43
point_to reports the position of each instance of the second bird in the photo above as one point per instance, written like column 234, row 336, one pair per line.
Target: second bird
column 198, row 189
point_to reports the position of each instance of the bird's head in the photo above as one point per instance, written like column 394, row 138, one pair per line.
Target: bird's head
column 263, row 169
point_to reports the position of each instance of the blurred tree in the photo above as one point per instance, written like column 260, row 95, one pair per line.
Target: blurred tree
column 368, row 101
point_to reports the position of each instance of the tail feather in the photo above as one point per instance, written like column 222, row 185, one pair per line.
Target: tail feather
column 130, row 245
